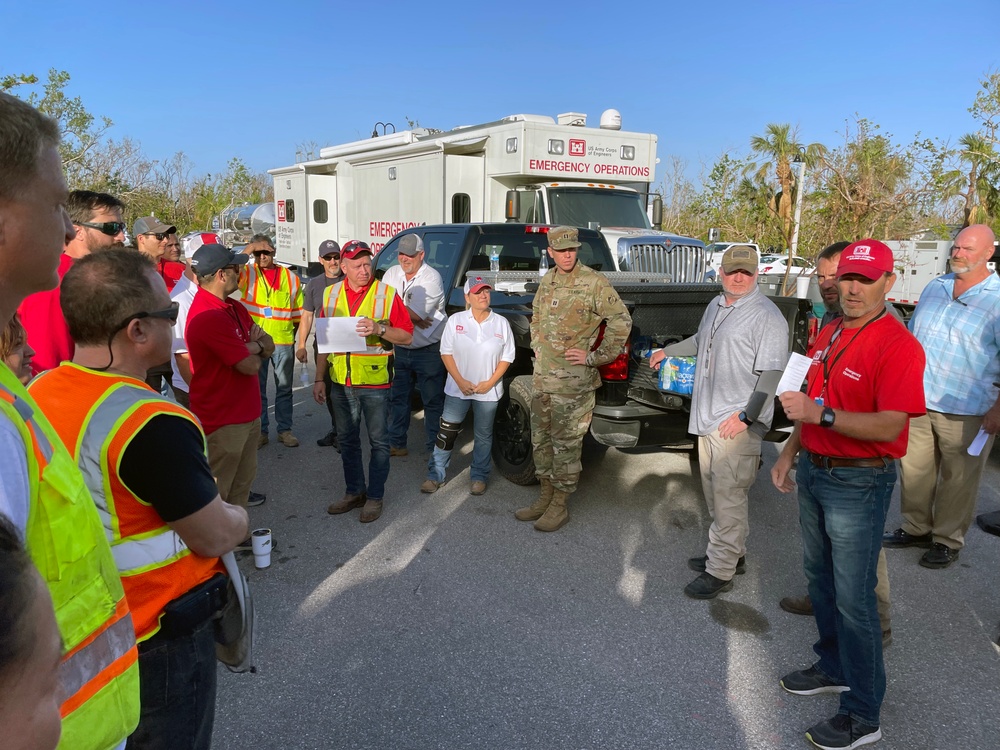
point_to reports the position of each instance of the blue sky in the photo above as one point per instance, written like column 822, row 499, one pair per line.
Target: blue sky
column 254, row 79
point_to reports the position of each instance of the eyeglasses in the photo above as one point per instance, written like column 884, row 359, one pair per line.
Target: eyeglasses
column 110, row 228
column 168, row 314
column 160, row 236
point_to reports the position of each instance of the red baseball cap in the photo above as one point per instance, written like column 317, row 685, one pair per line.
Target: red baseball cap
column 353, row 249
column 869, row 258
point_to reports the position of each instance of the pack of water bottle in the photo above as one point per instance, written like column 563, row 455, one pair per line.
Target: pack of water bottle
column 677, row 375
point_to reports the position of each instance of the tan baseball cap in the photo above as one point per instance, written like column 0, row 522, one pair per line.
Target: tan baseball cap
column 740, row 258
column 564, row 238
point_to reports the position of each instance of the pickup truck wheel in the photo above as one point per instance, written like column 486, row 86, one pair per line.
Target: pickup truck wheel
column 512, row 452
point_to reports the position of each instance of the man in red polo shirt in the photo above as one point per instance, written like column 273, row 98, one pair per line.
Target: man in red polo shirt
column 360, row 379
column 226, row 350
column 97, row 219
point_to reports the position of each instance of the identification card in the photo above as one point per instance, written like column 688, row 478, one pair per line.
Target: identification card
column 268, row 313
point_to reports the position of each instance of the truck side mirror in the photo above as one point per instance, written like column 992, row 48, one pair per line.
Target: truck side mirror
column 513, row 207
column 658, row 212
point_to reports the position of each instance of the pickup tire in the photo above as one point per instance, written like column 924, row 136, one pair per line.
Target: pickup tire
column 512, row 451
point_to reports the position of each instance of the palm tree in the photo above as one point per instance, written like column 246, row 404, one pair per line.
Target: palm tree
column 778, row 147
column 981, row 194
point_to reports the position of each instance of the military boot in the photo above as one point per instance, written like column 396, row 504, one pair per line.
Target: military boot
column 534, row 511
column 556, row 516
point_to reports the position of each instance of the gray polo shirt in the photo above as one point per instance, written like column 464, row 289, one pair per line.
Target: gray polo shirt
column 735, row 344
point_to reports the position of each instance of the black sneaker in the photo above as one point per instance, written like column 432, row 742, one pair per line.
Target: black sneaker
column 842, row 733
column 707, row 586
column 810, row 682
column 329, row 441
column 698, row 564
column 255, row 499
column 899, row 538
column 939, row 556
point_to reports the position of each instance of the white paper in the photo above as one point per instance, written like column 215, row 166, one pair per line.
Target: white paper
column 794, row 374
column 977, row 445
column 339, row 335
column 438, row 318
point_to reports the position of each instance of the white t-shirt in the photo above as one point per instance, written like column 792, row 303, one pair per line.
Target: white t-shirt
column 14, row 488
column 424, row 294
column 477, row 348
column 183, row 293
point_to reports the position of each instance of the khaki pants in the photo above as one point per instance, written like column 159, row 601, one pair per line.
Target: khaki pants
column 728, row 470
column 939, row 480
column 232, row 454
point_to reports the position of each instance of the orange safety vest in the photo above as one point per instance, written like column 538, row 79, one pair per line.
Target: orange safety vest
column 277, row 308
column 99, row 672
column 99, row 414
column 372, row 367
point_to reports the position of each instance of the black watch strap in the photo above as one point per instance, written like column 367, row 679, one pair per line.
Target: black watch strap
column 745, row 419
column 828, row 417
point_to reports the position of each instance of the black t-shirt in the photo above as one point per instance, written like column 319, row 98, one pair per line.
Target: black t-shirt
column 312, row 296
column 165, row 465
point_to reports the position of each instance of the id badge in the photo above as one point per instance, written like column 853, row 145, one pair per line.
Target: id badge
column 819, row 400
column 267, row 312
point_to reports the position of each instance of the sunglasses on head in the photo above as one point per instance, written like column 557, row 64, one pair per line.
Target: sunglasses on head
column 110, row 228
column 160, row 236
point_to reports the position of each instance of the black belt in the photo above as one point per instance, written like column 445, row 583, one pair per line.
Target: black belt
column 187, row 613
column 833, row 462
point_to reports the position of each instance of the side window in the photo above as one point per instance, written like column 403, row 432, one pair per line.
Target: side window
column 320, row 211
column 289, row 210
column 461, row 208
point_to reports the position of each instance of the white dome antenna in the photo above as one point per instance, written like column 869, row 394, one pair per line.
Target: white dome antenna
column 611, row 119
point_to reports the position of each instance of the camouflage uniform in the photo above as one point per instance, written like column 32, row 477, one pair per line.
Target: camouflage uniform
column 568, row 310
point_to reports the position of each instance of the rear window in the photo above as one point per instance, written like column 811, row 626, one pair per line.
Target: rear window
column 440, row 250
column 521, row 252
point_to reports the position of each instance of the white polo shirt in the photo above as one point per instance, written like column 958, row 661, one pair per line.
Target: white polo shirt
column 424, row 294
column 477, row 348
column 183, row 294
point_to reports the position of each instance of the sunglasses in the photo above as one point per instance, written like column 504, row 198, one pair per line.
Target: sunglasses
column 332, row 256
column 110, row 228
column 169, row 314
column 263, row 252
column 160, row 236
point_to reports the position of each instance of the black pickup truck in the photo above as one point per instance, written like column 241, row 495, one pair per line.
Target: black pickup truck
column 630, row 410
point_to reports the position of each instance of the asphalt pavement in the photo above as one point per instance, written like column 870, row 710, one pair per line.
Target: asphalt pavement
column 449, row 624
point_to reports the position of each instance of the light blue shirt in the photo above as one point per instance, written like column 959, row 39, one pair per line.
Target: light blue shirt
column 961, row 339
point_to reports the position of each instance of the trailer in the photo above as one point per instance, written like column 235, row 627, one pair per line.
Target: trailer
column 522, row 168
column 918, row 262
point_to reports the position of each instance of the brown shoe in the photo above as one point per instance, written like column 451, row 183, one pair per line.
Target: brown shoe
column 534, row 511
column 398, row 451
column 349, row 502
column 555, row 516
column 429, row 486
column 262, row 441
column 371, row 511
column 288, row 440
column 477, row 488
column 797, row 605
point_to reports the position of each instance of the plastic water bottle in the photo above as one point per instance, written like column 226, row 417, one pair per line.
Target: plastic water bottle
column 495, row 259
column 543, row 264
column 304, row 377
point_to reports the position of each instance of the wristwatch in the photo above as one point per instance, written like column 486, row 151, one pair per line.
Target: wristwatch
column 745, row 419
column 827, row 418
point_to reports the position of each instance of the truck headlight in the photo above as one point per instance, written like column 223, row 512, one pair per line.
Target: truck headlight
column 557, row 147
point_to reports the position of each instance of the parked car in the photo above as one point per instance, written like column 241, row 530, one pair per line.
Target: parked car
column 777, row 264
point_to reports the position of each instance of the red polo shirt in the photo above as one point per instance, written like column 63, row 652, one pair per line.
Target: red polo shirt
column 47, row 332
column 217, row 335
column 171, row 272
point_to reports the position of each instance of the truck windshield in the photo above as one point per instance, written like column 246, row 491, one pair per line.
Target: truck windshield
column 577, row 207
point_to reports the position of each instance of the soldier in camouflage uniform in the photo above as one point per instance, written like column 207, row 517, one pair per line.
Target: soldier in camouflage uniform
column 571, row 303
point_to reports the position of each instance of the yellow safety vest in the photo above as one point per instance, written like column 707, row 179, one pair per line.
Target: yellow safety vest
column 371, row 367
column 275, row 309
column 99, row 670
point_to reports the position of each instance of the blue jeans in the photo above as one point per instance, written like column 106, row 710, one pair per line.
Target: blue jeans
column 455, row 410
column 348, row 405
column 842, row 514
column 283, row 360
column 424, row 368
column 177, row 681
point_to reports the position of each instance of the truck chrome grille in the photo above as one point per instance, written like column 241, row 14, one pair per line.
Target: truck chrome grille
column 683, row 263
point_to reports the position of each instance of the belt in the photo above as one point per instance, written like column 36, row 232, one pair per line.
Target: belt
column 832, row 462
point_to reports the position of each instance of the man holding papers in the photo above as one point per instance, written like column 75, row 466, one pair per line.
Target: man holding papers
column 360, row 372
column 418, row 363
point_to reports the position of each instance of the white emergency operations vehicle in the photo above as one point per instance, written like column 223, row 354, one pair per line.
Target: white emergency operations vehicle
column 524, row 168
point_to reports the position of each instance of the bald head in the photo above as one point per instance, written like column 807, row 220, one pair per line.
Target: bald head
column 972, row 250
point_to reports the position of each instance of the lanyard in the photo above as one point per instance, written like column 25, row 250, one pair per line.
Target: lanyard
column 827, row 366
column 267, row 285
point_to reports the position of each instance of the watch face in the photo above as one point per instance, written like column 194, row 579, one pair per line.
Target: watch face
column 826, row 420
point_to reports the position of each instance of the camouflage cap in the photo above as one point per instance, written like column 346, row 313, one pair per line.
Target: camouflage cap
column 564, row 238
column 740, row 258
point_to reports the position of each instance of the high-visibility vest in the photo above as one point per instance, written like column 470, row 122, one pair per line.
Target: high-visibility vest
column 277, row 308
column 99, row 414
column 371, row 367
column 99, row 671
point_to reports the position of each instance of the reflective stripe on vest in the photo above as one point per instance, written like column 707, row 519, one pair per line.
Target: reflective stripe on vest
column 283, row 300
column 99, row 673
column 374, row 366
